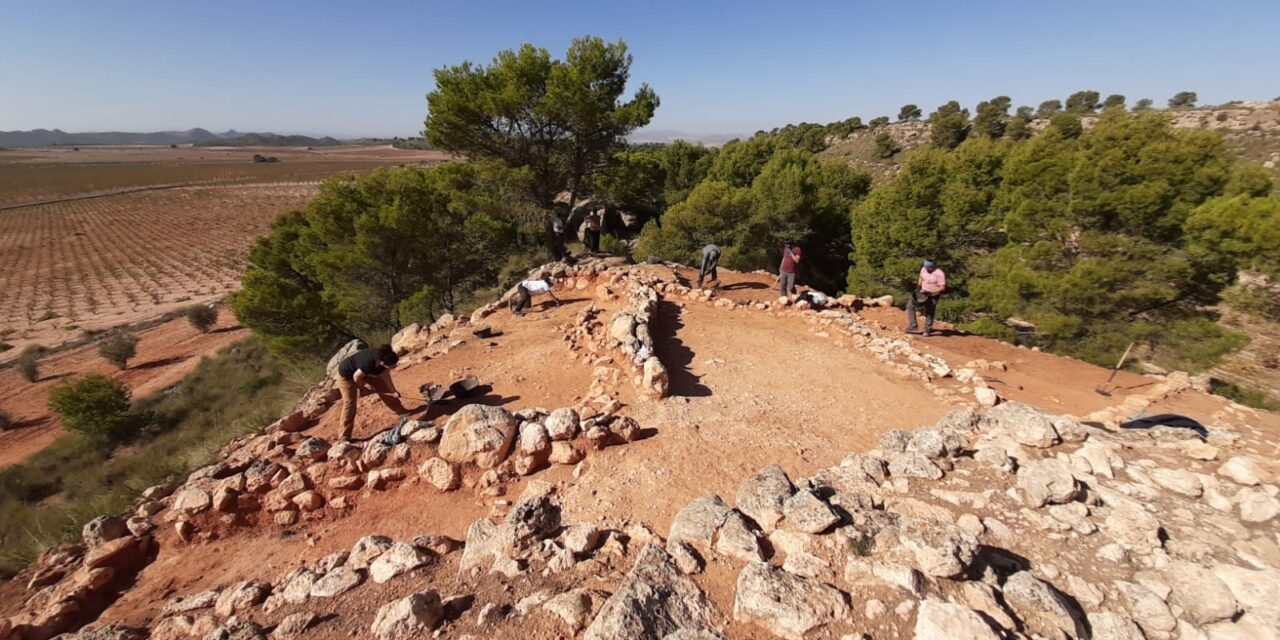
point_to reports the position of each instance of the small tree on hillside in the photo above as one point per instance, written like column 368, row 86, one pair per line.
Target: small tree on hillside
column 1143, row 104
column 95, row 406
column 28, row 363
column 909, row 112
column 879, row 122
column 1183, row 100
column 1049, row 108
column 1082, row 102
column 992, row 117
column 119, row 349
column 950, row 125
column 1113, row 100
column 202, row 317
column 885, row 146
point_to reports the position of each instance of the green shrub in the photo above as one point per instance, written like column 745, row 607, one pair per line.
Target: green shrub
column 96, row 406
column 885, row 146
column 202, row 316
column 612, row 244
column 118, row 349
column 28, row 363
column 1240, row 395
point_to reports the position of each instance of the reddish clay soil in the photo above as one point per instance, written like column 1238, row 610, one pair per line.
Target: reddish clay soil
column 166, row 353
column 748, row 389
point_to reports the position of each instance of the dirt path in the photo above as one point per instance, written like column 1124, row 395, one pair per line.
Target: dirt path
column 166, row 353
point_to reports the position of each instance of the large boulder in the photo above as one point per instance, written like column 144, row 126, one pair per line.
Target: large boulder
column 440, row 474
column 804, row 511
column 563, row 424
column 410, row 617
column 937, row 548
column 1204, row 597
column 654, row 601
column 241, row 597
column 400, row 558
column 1043, row 608
column 655, row 380
column 785, row 604
column 762, row 495
column 478, row 434
column 699, row 520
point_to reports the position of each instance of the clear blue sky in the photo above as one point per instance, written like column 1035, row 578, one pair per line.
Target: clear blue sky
column 363, row 67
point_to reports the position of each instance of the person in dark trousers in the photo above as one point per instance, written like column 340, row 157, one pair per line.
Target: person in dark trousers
column 787, row 272
column 710, row 260
column 592, row 232
column 557, row 235
column 930, row 286
column 529, row 288
column 364, row 372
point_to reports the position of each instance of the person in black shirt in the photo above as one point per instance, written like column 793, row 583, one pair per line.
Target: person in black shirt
column 364, row 372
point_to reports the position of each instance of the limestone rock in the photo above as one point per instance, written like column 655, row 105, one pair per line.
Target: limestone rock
column 1047, row 481
column 409, row 617
column 986, row 396
column 1132, row 527
column 192, row 501
column 294, row 626
column 440, row 474
column 654, row 601
column 400, row 558
column 566, row 453
column 1242, row 470
column 1043, row 608
column 313, row 448
column 939, row 549
column 1147, row 609
column 1026, row 424
column 309, row 501
column 1256, row 505
column 808, row 513
column 699, row 521
column 946, row 621
column 563, row 424
column 785, row 604
column 237, row 630
column 1107, row 625
column 347, row 350
column 239, row 598
column 1178, row 481
column 338, row 581
column 655, row 380
column 1204, row 598
column 535, row 442
column 573, row 607
column 478, row 434
column 103, row 529
column 911, row 464
column 736, row 538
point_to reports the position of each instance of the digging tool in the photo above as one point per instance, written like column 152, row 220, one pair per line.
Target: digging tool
column 1106, row 388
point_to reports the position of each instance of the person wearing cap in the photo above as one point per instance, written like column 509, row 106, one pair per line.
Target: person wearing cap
column 787, row 271
column 710, row 259
column 529, row 288
column 930, row 286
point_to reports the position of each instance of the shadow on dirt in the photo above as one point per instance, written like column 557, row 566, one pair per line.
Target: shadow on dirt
column 163, row 362
column 673, row 353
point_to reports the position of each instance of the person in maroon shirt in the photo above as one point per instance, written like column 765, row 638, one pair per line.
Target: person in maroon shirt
column 787, row 272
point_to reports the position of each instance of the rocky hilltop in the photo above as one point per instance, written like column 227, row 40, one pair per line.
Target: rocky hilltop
column 816, row 475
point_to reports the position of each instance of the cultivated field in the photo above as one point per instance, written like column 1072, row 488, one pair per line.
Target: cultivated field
column 105, row 236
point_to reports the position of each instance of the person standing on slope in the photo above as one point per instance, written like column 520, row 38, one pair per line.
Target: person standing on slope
column 787, row 272
column 710, row 260
column 930, row 286
column 529, row 288
column 364, row 372
column 592, row 232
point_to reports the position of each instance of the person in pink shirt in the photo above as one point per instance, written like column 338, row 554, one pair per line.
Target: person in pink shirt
column 787, row 272
column 930, row 286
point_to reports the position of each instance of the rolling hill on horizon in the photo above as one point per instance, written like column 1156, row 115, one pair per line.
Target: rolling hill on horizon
column 47, row 137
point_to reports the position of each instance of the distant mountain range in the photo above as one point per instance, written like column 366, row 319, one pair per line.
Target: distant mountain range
column 201, row 137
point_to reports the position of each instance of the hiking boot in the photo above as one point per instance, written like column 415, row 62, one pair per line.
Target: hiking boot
column 928, row 332
column 519, row 314
column 912, row 331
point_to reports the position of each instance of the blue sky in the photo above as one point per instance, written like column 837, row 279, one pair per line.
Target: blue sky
column 363, row 68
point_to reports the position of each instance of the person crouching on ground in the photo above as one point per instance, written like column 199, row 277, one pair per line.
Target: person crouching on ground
column 364, row 372
column 787, row 271
column 529, row 288
column 930, row 286
column 710, row 260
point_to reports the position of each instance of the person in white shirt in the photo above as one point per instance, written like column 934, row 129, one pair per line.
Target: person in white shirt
column 529, row 288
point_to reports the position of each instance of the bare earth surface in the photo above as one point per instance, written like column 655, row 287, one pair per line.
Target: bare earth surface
column 748, row 387
column 115, row 235
column 166, row 353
